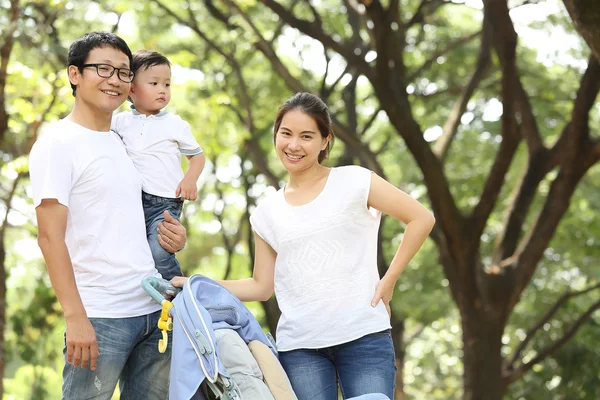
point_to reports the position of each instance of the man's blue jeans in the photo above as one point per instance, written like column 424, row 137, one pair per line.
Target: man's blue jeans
column 363, row 366
column 128, row 354
column 154, row 206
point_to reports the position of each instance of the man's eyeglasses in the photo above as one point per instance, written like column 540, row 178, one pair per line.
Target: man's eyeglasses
column 106, row 71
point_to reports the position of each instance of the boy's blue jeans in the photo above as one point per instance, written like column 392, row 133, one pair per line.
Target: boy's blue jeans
column 129, row 355
column 363, row 366
column 154, row 206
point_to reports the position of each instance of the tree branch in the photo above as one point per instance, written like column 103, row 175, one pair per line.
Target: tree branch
column 451, row 126
column 296, row 86
column 251, row 144
column 547, row 316
column 282, row 24
column 267, row 50
column 384, row 146
column 368, row 158
column 529, row 128
column 46, row 26
column 418, row 16
column 586, row 18
column 35, row 125
column 370, row 122
column 595, row 150
column 349, row 99
column 356, row 21
column 7, row 202
column 323, row 90
column 505, row 38
column 116, row 24
column 218, row 15
column 389, row 85
column 315, row 13
column 539, row 165
column 579, row 131
column 389, row 43
column 5, row 51
column 192, row 24
column 453, row 45
column 327, row 91
column 414, row 335
column 315, row 31
column 520, row 371
column 574, row 159
column 229, row 246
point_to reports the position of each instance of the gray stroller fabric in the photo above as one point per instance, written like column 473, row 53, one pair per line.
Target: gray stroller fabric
column 239, row 362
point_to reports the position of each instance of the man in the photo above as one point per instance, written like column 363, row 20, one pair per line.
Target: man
column 87, row 195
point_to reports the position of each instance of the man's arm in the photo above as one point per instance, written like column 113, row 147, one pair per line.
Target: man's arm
column 82, row 347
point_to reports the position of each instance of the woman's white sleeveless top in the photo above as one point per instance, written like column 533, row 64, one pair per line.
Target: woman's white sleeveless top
column 326, row 267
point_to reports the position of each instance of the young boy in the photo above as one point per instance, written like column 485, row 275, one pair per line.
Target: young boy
column 155, row 140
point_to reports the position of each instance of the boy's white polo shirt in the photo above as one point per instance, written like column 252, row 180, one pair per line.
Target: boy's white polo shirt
column 155, row 144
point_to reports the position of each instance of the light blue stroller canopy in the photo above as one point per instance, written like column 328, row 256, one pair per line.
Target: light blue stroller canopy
column 200, row 308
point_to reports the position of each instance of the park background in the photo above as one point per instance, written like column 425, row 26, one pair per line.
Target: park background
column 485, row 111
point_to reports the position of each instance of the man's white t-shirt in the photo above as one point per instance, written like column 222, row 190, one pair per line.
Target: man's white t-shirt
column 89, row 173
column 326, row 266
column 155, row 144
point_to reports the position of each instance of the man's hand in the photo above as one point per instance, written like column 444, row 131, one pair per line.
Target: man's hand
column 187, row 189
column 82, row 347
column 171, row 234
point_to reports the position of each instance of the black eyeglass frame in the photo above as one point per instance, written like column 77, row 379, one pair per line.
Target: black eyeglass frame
column 130, row 75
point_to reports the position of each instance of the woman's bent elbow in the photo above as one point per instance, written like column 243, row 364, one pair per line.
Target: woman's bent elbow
column 431, row 221
column 266, row 294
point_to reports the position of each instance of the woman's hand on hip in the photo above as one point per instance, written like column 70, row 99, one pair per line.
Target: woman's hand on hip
column 384, row 292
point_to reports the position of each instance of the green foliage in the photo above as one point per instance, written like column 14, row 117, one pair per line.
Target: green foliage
column 34, row 382
column 209, row 92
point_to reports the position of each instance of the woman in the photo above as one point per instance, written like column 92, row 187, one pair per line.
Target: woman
column 316, row 247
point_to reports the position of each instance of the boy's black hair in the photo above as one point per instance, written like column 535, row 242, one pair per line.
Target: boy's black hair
column 148, row 58
column 144, row 59
column 80, row 49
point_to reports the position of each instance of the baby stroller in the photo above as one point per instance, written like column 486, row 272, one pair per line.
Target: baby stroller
column 219, row 350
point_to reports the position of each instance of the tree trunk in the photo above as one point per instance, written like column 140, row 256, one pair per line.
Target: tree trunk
column 400, row 351
column 482, row 359
column 272, row 314
column 2, row 314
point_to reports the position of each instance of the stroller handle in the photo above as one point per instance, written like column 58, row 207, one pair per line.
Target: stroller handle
column 159, row 289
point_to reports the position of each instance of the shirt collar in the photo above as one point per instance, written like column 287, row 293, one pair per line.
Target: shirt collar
column 136, row 112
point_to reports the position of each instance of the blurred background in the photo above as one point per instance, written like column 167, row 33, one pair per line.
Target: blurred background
column 485, row 111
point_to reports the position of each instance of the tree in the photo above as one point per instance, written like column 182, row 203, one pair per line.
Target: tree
column 379, row 41
column 586, row 18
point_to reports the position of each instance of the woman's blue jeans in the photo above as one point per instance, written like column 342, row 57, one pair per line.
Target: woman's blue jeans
column 363, row 366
